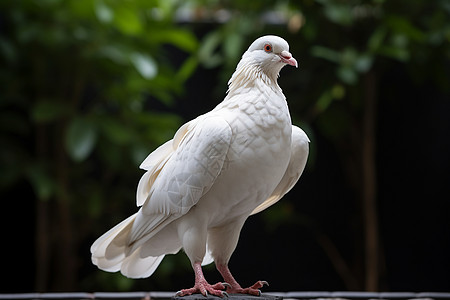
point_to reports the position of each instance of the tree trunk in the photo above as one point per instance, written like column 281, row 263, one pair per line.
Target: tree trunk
column 42, row 241
column 370, row 213
column 42, row 238
column 66, row 259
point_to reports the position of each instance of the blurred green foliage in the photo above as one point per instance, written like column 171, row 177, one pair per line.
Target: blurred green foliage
column 77, row 76
column 85, row 68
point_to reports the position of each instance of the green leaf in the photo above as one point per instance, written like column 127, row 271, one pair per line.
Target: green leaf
column 127, row 20
column 103, row 12
column 74, row 9
column 187, row 68
column 81, row 137
column 43, row 185
column 376, row 39
column 144, row 64
column 400, row 54
column 115, row 131
column 48, row 110
column 206, row 53
column 326, row 53
column 338, row 91
column 399, row 40
column 183, row 39
column 339, row 13
column 233, row 46
column 363, row 63
column 347, row 75
column 327, row 97
column 324, row 101
column 403, row 26
column 116, row 53
column 348, row 57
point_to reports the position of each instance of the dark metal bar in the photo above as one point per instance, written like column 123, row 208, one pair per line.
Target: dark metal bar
column 363, row 295
column 286, row 295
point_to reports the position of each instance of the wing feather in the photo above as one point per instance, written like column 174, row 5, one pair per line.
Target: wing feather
column 156, row 160
column 183, row 178
column 299, row 156
column 153, row 165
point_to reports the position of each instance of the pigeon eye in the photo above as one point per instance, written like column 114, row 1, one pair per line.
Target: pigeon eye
column 268, row 48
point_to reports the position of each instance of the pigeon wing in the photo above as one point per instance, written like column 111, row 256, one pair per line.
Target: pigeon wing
column 297, row 162
column 156, row 160
column 179, row 179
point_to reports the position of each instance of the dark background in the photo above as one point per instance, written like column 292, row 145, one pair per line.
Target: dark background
column 89, row 88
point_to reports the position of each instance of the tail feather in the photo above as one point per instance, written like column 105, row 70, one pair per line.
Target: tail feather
column 99, row 247
column 135, row 266
column 119, row 245
column 113, row 252
column 107, row 264
column 165, row 241
column 144, row 229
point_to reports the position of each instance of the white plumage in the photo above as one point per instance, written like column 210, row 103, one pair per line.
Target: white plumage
column 200, row 187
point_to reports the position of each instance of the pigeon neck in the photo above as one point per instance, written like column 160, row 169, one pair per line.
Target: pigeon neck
column 248, row 72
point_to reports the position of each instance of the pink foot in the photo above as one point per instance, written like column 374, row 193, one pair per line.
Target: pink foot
column 253, row 290
column 235, row 287
column 204, row 288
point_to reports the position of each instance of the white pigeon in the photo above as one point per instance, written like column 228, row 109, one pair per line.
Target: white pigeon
column 220, row 168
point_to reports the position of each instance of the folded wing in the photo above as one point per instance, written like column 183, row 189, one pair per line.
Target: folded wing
column 299, row 156
column 178, row 174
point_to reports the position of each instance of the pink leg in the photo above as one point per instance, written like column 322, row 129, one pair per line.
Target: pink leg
column 235, row 287
column 202, row 286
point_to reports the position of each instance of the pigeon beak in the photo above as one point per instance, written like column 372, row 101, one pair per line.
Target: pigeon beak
column 287, row 58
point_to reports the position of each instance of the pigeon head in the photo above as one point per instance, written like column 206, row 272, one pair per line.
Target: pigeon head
column 271, row 51
column 263, row 60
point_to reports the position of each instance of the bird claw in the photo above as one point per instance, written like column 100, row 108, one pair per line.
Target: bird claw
column 259, row 284
column 206, row 289
column 226, row 285
column 253, row 290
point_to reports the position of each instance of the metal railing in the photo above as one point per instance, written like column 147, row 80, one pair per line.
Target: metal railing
column 285, row 295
